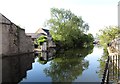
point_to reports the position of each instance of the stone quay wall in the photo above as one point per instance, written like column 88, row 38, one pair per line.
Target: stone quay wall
column 116, row 44
column 115, row 52
column 13, row 39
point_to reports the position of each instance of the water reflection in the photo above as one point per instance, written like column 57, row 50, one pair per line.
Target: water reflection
column 67, row 65
column 14, row 68
column 102, row 62
column 44, row 57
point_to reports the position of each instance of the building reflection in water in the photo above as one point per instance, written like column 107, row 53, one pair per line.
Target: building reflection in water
column 14, row 68
column 44, row 57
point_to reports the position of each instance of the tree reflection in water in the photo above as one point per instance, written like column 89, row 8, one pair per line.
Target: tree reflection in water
column 68, row 65
column 102, row 61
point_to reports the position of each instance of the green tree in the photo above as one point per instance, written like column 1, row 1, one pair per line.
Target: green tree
column 87, row 40
column 107, row 34
column 41, row 39
column 66, row 27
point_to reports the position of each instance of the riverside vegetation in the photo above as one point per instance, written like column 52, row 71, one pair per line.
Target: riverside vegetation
column 105, row 36
column 68, row 30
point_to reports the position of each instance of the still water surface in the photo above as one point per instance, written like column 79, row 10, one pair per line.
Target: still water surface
column 69, row 66
column 75, row 65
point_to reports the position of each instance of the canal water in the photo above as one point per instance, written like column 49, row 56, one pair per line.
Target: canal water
column 74, row 65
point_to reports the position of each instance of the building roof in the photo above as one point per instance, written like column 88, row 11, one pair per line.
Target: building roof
column 47, row 31
column 38, row 33
column 41, row 30
column 33, row 35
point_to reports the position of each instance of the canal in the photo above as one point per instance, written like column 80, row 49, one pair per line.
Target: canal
column 74, row 65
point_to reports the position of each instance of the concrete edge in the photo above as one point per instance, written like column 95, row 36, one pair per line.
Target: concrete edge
column 0, row 48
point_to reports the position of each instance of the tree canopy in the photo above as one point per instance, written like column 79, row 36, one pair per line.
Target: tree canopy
column 66, row 27
column 107, row 34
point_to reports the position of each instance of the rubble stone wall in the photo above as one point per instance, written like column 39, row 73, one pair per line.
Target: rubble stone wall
column 13, row 38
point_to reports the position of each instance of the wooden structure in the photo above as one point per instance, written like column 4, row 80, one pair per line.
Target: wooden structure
column 112, row 67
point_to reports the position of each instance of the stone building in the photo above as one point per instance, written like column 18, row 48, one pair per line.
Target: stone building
column 119, row 13
column 13, row 39
column 118, row 39
column 45, row 32
column 39, row 33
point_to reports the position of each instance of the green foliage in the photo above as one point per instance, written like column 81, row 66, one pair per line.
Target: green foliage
column 108, row 34
column 41, row 39
column 102, row 62
column 87, row 40
column 66, row 27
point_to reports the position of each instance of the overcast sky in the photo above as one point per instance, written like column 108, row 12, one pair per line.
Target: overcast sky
column 31, row 14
